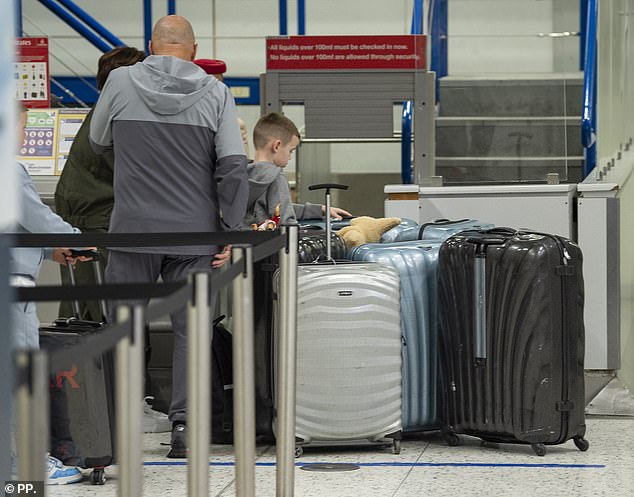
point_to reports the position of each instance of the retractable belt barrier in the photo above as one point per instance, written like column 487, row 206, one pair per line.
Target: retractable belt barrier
column 120, row 240
column 127, row 336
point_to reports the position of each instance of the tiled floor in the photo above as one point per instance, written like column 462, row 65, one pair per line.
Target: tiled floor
column 425, row 467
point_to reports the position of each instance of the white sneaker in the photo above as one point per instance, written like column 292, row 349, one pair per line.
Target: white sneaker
column 58, row 474
column 154, row 421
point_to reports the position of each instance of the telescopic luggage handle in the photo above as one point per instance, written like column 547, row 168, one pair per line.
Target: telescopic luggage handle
column 480, row 292
column 482, row 243
column 95, row 260
column 93, row 254
column 328, row 187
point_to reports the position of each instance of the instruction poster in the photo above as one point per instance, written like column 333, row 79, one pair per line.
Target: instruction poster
column 38, row 150
column 30, row 73
column 68, row 123
column 49, row 135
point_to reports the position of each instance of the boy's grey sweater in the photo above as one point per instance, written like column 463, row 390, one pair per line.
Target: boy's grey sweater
column 268, row 187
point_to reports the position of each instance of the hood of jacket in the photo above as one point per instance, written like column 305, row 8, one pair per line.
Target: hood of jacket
column 261, row 175
column 169, row 85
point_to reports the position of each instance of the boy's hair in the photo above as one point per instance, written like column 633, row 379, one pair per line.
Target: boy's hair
column 117, row 57
column 274, row 126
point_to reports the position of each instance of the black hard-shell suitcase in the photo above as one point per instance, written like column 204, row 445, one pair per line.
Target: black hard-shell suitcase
column 335, row 225
column 512, row 338
column 82, row 398
column 312, row 245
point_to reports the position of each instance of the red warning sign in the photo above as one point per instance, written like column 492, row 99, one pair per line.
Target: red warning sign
column 346, row 52
column 31, row 75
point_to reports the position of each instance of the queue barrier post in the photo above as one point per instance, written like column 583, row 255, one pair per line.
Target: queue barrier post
column 199, row 337
column 32, row 414
column 129, row 373
column 244, row 373
column 287, row 365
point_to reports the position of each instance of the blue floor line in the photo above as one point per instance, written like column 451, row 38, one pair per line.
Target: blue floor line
column 403, row 464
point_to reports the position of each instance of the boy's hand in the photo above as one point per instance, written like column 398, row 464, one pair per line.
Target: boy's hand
column 221, row 258
column 336, row 212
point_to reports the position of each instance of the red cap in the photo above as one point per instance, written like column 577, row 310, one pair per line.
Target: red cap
column 212, row 66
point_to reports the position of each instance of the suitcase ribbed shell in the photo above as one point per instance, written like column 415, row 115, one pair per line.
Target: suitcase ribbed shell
column 417, row 264
column 348, row 352
column 530, row 387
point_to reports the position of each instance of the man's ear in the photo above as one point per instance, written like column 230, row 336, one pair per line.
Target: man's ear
column 194, row 52
column 149, row 48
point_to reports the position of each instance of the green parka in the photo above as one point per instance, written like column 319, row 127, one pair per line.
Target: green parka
column 84, row 195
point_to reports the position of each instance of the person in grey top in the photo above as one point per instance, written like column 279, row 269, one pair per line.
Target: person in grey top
column 179, row 166
column 275, row 138
column 24, row 265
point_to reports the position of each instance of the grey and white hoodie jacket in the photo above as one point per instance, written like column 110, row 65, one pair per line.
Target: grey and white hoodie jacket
column 179, row 158
column 268, row 187
column 34, row 217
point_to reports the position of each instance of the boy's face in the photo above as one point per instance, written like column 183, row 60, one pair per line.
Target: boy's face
column 283, row 153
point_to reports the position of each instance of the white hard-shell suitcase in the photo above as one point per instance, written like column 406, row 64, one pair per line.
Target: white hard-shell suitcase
column 348, row 355
column 348, row 351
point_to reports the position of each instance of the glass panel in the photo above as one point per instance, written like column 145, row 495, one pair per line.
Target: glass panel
column 510, row 109
column 509, row 130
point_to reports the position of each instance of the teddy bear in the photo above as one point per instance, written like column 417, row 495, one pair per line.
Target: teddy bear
column 366, row 229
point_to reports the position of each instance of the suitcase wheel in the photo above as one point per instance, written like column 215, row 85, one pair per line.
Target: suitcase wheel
column 298, row 451
column 452, row 439
column 540, row 449
column 396, row 446
column 98, row 476
column 581, row 443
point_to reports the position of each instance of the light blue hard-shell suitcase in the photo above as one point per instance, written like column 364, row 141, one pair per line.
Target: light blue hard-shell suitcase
column 406, row 230
column 417, row 265
column 441, row 229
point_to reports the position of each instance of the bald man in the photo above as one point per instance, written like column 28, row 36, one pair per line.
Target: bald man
column 179, row 166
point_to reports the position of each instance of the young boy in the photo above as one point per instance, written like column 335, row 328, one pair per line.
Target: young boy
column 24, row 263
column 275, row 137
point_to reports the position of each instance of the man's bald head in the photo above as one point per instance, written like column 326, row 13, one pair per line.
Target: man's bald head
column 173, row 35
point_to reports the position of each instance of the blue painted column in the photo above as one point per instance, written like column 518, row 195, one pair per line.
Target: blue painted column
column 18, row 19
column 283, row 18
column 439, row 45
column 171, row 7
column 406, row 116
column 147, row 23
column 583, row 25
column 301, row 17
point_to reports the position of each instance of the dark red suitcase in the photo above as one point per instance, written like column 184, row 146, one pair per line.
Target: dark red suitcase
column 512, row 338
